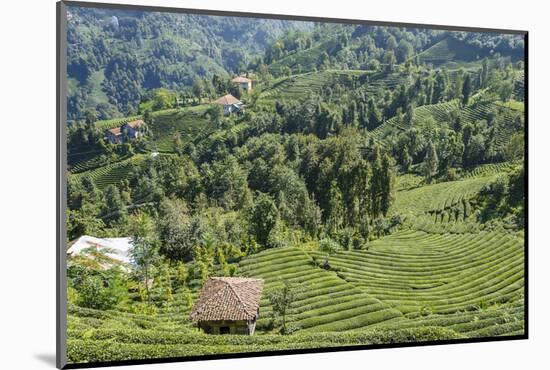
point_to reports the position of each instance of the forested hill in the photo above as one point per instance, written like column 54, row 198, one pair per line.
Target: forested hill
column 341, row 46
column 115, row 57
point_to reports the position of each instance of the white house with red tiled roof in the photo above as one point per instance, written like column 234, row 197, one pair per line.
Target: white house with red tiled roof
column 132, row 129
column 243, row 82
column 230, row 104
column 114, row 135
column 129, row 130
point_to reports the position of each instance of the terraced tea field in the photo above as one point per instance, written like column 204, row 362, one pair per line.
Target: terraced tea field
column 328, row 304
column 465, row 280
column 441, row 113
column 443, row 273
column 381, row 80
column 433, row 111
column 451, row 53
column 106, row 336
column 299, row 86
column 490, row 169
column 435, row 279
column 115, row 172
column 437, row 197
column 115, row 122
column 471, row 282
column 498, row 320
column 411, row 286
column 446, row 207
column 294, row 87
column 325, row 302
column 304, row 60
column 190, row 122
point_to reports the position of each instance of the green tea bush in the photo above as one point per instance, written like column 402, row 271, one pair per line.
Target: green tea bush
column 101, row 345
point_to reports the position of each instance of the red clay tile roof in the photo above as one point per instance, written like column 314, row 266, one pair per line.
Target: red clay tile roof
column 227, row 100
column 241, row 80
column 136, row 123
column 115, row 131
column 228, row 298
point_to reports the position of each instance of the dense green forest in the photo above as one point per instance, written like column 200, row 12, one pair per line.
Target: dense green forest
column 116, row 58
column 376, row 172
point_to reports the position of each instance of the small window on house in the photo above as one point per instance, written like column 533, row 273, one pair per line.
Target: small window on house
column 224, row 329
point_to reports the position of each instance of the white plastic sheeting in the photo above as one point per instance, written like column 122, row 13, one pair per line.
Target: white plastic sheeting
column 115, row 248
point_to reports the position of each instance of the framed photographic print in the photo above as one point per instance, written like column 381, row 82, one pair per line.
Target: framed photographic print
column 235, row 184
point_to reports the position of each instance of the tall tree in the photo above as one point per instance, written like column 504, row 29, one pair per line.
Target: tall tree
column 374, row 115
column 404, row 51
column 409, row 115
column 387, row 183
column 144, row 251
column 264, row 217
column 440, row 87
column 376, row 184
column 431, row 162
column 391, row 43
column 458, row 84
column 336, row 208
column 389, row 60
column 505, row 90
column 281, row 300
column 466, row 89
column 115, row 209
column 484, row 73
column 198, row 89
column 177, row 143
column 406, row 159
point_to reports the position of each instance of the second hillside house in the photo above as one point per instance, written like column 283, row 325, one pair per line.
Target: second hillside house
column 230, row 104
column 128, row 131
column 243, row 82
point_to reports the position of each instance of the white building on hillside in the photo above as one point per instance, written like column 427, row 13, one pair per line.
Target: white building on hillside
column 244, row 83
column 230, row 104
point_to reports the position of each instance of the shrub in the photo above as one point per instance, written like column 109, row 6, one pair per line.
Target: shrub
column 426, row 310
column 110, row 345
column 96, row 292
column 142, row 308
column 328, row 245
column 72, row 295
column 451, row 175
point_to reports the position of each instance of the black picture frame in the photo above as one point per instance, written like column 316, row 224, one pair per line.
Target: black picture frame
column 61, row 194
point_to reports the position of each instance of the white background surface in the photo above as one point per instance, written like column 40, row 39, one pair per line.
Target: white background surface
column 27, row 183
